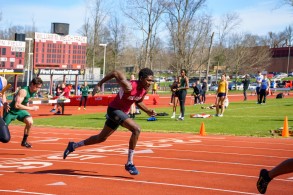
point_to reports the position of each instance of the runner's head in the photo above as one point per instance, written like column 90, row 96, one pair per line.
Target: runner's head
column 146, row 78
column 36, row 84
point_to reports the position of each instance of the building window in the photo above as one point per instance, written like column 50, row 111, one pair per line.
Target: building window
column 11, row 64
column 3, row 52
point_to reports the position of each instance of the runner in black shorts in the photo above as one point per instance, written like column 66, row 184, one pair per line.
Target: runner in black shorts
column 117, row 114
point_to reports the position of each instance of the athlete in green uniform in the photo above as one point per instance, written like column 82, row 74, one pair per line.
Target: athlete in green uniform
column 19, row 108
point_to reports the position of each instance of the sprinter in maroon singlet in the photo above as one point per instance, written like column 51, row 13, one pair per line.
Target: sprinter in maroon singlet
column 117, row 113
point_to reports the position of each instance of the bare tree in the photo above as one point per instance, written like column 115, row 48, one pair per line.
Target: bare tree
column 92, row 28
column 227, row 24
column 289, row 35
column 146, row 16
column 181, row 20
column 117, row 38
column 244, row 55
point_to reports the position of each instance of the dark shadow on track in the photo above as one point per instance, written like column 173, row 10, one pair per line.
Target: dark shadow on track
column 75, row 172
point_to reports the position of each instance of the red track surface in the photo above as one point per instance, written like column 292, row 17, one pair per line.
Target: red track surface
column 168, row 163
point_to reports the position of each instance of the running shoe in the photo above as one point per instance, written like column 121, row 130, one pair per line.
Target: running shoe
column 131, row 169
column 78, row 108
column 53, row 110
column 68, row 150
column 26, row 144
column 263, row 181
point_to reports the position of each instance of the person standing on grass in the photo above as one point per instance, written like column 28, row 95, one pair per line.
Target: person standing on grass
column 259, row 78
column 266, row 176
column 246, row 82
column 117, row 112
column 174, row 85
column 155, row 88
column 264, row 89
column 222, row 94
column 197, row 91
column 182, row 91
column 175, row 94
column 84, row 95
column 204, row 90
column 19, row 108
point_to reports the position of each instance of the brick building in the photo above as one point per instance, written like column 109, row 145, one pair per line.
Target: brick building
column 281, row 60
column 12, row 56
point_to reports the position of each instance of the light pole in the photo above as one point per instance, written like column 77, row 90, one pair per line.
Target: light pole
column 29, row 60
column 105, row 46
column 288, row 64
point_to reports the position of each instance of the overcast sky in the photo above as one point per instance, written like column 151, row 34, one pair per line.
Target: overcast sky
column 257, row 16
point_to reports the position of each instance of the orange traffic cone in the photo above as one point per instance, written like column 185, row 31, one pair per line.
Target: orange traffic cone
column 202, row 130
column 285, row 132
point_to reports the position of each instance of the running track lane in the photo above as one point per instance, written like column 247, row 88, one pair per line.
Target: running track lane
column 168, row 164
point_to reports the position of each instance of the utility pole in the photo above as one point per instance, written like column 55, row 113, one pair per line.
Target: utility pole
column 209, row 58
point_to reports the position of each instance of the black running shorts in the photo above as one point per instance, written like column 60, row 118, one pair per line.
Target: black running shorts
column 115, row 117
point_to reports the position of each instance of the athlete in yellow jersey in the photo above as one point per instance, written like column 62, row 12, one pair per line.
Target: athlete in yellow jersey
column 222, row 94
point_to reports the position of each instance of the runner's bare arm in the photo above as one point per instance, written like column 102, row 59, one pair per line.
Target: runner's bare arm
column 19, row 98
column 120, row 78
column 143, row 107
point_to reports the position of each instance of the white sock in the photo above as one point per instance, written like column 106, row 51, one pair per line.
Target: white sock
column 130, row 156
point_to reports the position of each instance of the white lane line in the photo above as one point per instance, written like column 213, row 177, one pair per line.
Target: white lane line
column 154, row 183
column 93, row 150
column 165, row 169
column 242, row 147
column 24, row 192
column 225, row 153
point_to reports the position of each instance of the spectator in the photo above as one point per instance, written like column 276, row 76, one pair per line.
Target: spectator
column 257, row 89
column 246, row 82
column 173, row 86
column 66, row 94
column 197, row 90
column 84, row 89
column 175, row 94
column 155, row 88
column 264, row 89
column 204, row 90
column 184, row 85
column 58, row 92
column 222, row 94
